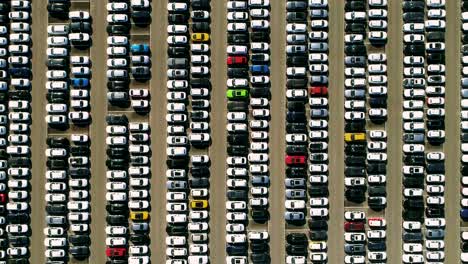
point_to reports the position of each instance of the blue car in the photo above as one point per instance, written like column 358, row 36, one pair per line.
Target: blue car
column 464, row 214
column 22, row 72
column 140, row 48
column 80, row 82
column 260, row 69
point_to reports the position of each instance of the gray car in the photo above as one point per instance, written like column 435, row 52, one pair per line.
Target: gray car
column 413, row 138
column 318, row 113
column 295, row 183
column 354, row 249
column 409, row 237
column 435, row 234
column 176, row 185
column 296, row 49
column 294, row 216
column 464, row 93
column 260, row 180
column 318, row 13
column 177, row 63
column 355, row 61
column 355, row 94
column 318, row 47
column 295, row 194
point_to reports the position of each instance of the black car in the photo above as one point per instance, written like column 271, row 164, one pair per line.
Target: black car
column 139, row 239
column 176, row 230
column 79, row 173
column 121, row 120
column 259, row 216
column 117, row 219
column 413, row 17
column 237, row 72
column 200, row 83
column 297, row 61
column 80, row 151
column 300, row 250
column 240, row 139
column 238, row 106
column 292, row 17
column 377, row 191
column 413, row 204
column 57, row 63
column 376, row 168
column 355, row 6
column 199, row 182
column 79, row 252
column 235, row 150
column 177, row 163
column 318, row 191
column 201, row 4
column 376, row 246
column 378, row 102
column 316, row 224
column 116, row 164
column 355, row 160
column 18, row 218
column 436, row 58
column 237, row 195
column 414, row 50
column 435, row 168
column 18, row 241
column 413, row 6
column 297, row 239
column 435, row 36
column 79, row 240
column 415, row 160
column 260, row 92
column 56, row 164
column 259, row 59
column 355, row 171
column 58, row 10
column 200, row 171
column 296, row 83
column 377, row 203
column 85, row 27
column 260, row 36
column 236, row 250
column 259, row 247
column 296, row 106
column 413, row 215
column 413, row 182
column 179, row 18
column 356, row 28
column 296, row 172
column 296, row 6
column 354, row 127
column 141, row 18
column 20, row 95
column 355, row 195
column 201, row 27
column 295, row 117
column 318, row 235
column 117, row 208
column 141, row 72
column 358, row 50
column 56, row 209
column 237, row 39
column 57, row 142
column 177, row 52
column 296, row 128
column 435, row 124
column 260, row 258
column 355, row 149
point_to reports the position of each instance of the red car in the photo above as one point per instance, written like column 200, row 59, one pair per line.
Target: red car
column 231, row 60
column 116, row 252
column 318, row 90
column 353, row 226
column 3, row 197
column 295, row 160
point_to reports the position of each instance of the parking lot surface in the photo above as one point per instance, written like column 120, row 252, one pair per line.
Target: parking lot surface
column 191, row 85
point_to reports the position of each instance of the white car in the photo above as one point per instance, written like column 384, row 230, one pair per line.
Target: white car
column 354, row 215
column 176, row 241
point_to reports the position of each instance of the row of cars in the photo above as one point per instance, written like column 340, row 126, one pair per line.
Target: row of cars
column 307, row 133
column 127, row 61
column 248, row 94
column 68, row 87
column 464, row 129
column 67, row 197
column 188, row 131
column 15, row 164
column 128, row 143
column 424, row 131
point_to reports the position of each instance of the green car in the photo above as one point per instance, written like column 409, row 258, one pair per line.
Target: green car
column 237, row 94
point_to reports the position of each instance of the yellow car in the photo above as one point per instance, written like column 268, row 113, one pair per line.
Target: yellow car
column 142, row 215
column 199, row 204
column 200, row 37
column 350, row 137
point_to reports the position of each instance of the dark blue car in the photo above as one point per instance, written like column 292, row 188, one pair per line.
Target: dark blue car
column 259, row 69
column 20, row 72
column 80, row 82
